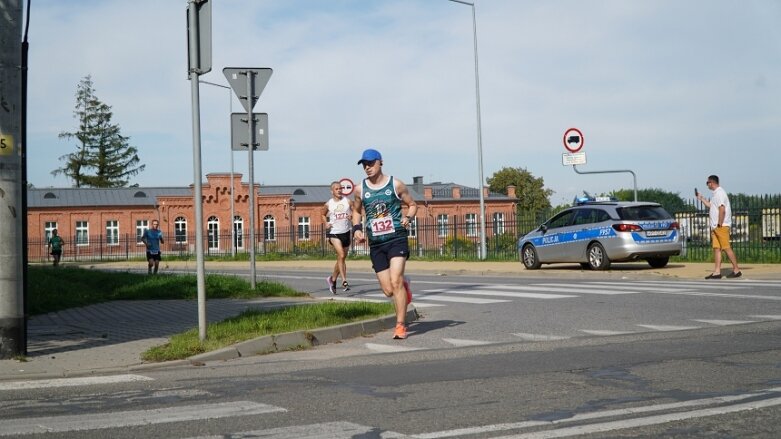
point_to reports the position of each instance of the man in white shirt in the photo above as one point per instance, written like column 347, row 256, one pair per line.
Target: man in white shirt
column 720, row 215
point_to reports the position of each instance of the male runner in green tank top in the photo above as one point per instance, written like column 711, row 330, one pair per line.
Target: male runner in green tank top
column 379, row 198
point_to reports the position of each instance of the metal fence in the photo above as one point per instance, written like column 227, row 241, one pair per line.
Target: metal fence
column 756, row 237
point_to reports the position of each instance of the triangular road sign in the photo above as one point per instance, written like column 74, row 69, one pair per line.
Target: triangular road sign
column 237, row 79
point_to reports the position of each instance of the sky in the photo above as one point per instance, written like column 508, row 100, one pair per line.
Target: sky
column 671, row 90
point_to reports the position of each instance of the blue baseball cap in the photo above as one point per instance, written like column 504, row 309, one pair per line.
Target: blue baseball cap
column 370, row 155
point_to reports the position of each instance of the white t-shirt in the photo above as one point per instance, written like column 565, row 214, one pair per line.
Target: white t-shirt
column 339, row 215
column 719, row 199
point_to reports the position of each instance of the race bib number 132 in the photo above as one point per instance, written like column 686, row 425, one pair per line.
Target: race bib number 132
column 382, row 226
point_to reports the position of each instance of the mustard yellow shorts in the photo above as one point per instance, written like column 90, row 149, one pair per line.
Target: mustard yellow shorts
column 720, row 237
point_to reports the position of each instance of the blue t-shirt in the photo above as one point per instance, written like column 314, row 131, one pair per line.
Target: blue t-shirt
column 153, row 238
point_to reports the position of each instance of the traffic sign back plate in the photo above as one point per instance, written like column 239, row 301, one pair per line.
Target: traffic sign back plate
column 240, row 132
column 237, row 79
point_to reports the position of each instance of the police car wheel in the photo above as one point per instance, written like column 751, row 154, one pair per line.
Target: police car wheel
column 597, row 258
column 529, row 258
column 658, row 262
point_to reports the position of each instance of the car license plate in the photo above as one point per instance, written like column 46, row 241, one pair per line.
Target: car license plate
column 656, row 233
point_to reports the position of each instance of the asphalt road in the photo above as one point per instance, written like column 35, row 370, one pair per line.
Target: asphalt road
column 492, row 356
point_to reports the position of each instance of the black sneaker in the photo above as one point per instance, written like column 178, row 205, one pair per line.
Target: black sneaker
column 734, row 275
column 346, row 286
column 713, row 276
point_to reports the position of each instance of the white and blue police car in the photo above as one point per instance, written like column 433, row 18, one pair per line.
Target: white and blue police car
column 596, row 233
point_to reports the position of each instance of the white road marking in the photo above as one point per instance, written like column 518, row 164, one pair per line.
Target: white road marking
column 453, row 299
column 376, row 347
column 604, row 332
column 511, row 294
column 705, row 285
column 572, row 289
column 94, row 421
column 724, row 322
column 767, row 317
column 326, row 430
column 615, row 286
column 462, row 342
column 539, row 337
column 70, row 382
column 642, row 422
column 596, row 415
column 669, row 327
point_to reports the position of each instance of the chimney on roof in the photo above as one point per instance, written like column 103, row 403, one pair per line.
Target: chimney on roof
column 417, row 184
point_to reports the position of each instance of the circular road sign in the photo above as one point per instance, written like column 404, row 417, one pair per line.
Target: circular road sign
column 573, row 140
column 347, row 186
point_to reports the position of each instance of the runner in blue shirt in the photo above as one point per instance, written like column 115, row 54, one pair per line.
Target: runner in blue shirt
column 152, row 238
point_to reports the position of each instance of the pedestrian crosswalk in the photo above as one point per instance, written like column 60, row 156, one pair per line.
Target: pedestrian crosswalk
column 489, row 294
column 766, row 294
column 260, row 419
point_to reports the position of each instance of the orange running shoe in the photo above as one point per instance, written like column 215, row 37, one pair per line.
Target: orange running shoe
column 401, row 332
column 407, row 288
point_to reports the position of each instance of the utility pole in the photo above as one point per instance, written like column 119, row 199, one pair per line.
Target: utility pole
column 12, row 328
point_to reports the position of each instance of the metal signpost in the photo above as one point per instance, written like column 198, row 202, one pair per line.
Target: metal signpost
column 248, row 84
column 199, row 62
column 573, row 142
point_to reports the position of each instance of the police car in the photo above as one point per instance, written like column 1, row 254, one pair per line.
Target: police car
column 597, row 233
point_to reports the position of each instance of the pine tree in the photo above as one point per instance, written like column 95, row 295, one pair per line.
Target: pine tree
column 103, row 156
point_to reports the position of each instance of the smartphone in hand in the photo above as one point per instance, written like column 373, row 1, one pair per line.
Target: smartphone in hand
column 696, row 192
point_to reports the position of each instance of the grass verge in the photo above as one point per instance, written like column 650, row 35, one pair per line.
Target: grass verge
column 257, row 323
column 54, row 289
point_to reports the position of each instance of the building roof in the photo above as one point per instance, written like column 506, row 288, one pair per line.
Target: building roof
column 147, row 196
column 81, row 197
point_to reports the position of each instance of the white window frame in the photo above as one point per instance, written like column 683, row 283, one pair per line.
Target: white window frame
column 213, row 233
column 48, row 226
column 470, row 224
column 180, row 230
column 238, row 232
column 269, row 228
column 304, row 228
column 141, row 227
column 442, row 225
column 82, row 233
column 413, row 227
column 498, row 223
column 112, row 232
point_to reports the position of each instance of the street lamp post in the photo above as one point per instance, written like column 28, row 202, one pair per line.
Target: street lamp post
column 479, row 134
column 233, row 211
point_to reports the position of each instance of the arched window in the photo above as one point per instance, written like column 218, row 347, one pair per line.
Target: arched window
column 269, row 228
column 139, row 194
column 49, row 195
column 238, row 231
column 299, row 192
column 213, row 232
column 180, row 230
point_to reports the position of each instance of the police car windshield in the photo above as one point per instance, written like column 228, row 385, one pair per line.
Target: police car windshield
column 642, row 213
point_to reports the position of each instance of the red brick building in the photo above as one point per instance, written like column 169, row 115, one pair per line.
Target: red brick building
column 109, row 222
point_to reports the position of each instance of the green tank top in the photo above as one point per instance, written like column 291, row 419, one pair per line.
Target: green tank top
column 383, row 213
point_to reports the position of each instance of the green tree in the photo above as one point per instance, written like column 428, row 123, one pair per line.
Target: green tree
column 671, row 201
column 103, row 156
column 531, row 192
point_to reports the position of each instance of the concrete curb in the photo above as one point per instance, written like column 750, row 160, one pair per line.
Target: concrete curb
column 302, row 339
